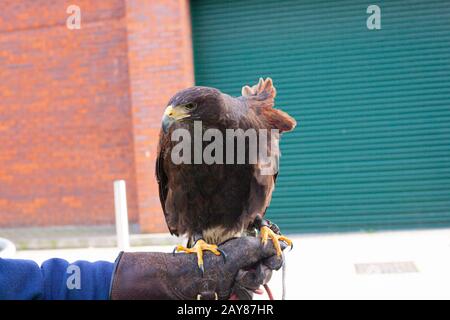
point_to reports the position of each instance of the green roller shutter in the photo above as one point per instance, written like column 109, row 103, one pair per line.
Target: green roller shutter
column 372, row 149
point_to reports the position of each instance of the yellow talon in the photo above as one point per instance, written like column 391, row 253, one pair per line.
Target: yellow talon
column 267, row 233
column 198, row 248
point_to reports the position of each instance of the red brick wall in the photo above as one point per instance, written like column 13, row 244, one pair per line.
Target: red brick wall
column 65, row 121
column 160, row 63
column 81, row 108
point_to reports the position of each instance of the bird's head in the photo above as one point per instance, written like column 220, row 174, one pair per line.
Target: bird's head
column 195, row 103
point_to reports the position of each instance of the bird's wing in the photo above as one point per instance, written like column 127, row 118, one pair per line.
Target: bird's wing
column 260, row 99
column 161, row 178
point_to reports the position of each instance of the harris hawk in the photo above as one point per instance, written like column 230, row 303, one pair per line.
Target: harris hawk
column 213, row 202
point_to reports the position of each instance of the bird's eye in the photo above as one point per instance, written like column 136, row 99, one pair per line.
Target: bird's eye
column 190, row 106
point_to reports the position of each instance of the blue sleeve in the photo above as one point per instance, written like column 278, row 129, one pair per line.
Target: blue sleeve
column 56, row 279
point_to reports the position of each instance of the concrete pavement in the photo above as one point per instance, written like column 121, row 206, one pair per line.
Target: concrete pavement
column 65, row 237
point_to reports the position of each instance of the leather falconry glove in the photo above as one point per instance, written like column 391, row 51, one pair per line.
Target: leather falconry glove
column 162, row 276
column 248, row 281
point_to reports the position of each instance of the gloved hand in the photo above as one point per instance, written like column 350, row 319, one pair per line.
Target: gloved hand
column 249, row 281
column 157, row 275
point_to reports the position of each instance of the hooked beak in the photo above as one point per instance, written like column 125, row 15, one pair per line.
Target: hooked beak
column 172, row 114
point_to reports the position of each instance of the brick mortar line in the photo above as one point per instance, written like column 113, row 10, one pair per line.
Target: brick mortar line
column 50, row 26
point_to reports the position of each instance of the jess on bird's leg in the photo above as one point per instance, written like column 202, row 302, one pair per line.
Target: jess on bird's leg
column 268, row 230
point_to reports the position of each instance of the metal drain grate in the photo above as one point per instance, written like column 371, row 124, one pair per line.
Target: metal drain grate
column 386, row 268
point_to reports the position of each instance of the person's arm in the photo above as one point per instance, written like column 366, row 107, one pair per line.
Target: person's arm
column 56, row 279
column 144, row 275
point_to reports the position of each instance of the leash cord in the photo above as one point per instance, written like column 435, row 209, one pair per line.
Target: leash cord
column 283, row 282
column 283, row 278
column 269, row 292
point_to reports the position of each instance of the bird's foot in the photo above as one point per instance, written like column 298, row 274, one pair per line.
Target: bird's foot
column 198, row 248
column 266, row 233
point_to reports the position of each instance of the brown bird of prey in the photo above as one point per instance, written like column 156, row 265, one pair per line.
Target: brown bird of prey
column 213, row 202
